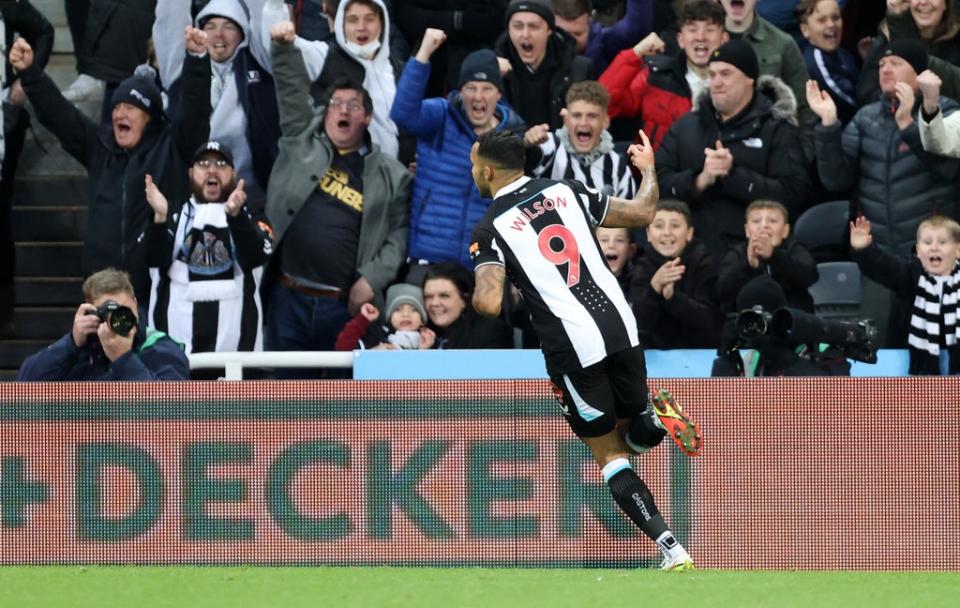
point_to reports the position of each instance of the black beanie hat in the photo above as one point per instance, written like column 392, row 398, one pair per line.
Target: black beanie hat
column 141, row 93
column 740, row 54
column 481, row 66
column 912, row 51
column 544, row 8
column 761, row 291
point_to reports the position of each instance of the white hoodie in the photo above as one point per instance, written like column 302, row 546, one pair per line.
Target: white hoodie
column 379, row 80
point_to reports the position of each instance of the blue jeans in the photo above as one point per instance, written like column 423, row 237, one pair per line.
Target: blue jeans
column 296, row 321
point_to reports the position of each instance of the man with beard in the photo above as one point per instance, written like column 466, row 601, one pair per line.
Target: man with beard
column 583, row 149
column 338, row 205
column 446, row 203
column 206, row 259
column 243, row 101
column 541, row 62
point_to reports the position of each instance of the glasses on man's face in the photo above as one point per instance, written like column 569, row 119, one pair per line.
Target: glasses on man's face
column 206, row 163
column 351, row 106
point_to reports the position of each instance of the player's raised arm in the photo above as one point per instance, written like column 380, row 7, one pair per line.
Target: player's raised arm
column 488, row 293
column 638, row 211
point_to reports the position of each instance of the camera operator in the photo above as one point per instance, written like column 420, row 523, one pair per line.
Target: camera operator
column 106, row 342
column 766, row 338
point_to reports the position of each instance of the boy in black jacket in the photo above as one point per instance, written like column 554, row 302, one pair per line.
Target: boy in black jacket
column 767, row 251
column 674, row 284
column 928, row 283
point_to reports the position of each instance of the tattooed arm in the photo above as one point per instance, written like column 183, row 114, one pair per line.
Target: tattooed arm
column 638, row 211
column 488, row 294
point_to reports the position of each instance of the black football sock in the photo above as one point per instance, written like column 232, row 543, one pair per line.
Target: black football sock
column 634, row 498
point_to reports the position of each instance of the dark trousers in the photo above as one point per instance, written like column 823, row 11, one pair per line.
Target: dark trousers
column 15, row 123
column 77, row 11
column 296, row 321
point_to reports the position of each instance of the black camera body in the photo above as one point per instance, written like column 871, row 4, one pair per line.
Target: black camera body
column 120, row 319
column 853, row 339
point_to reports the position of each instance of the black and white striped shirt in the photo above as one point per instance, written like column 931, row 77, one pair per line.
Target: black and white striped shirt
column 608, row 172
column 542, row 231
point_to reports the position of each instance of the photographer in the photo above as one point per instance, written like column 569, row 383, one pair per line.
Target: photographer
column 766, row 338
column 106, row 342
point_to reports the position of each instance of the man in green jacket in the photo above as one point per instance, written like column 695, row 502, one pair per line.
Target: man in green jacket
column 339, row 207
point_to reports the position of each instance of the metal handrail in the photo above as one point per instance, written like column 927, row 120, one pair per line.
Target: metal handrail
column 233, row 363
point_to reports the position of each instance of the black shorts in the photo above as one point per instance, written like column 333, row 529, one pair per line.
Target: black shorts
column 593, row 398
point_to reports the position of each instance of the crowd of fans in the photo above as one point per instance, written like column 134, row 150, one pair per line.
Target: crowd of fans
column 296, row 176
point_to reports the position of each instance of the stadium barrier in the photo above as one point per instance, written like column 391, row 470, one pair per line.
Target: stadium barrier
column 826, row 473
column 490, row 364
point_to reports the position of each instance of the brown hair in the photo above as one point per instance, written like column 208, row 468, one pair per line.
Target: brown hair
column 571, row 9
column 589, row 91
column 107, row 281
column 710, row 11
column 676, row 206
column 765, row 203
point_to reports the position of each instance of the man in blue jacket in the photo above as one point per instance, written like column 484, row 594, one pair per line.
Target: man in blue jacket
column 101, row 347
column 446, row 203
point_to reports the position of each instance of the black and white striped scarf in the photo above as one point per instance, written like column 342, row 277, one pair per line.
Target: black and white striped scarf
column 602, row 169
column 933, row 324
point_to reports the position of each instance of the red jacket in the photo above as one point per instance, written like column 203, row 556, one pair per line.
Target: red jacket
column 655, row 90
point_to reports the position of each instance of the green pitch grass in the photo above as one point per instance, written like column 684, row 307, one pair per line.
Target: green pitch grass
column 253, row 587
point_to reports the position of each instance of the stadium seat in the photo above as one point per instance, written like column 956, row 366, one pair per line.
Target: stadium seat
column 836, row 295
column 823, row 229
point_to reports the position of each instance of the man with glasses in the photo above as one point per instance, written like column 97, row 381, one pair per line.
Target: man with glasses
column 338, row 206
column 206, row 258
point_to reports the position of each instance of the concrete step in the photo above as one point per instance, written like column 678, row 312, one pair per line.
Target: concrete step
column 54, row 259
column 40, row 223
column 42, row 323
column 51, row 190
column 13, row 352
column 49, row 291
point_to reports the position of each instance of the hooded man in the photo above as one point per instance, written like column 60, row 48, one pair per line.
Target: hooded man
column 243, row 100
column 446, row 203
column 140, row 140
column 543, row 62
column 360, row 52
column 740, row 143
column 206, row 259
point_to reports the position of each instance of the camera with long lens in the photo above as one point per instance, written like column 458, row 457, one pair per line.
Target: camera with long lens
column 753, row 323
column 855, row 340
column 120, row 319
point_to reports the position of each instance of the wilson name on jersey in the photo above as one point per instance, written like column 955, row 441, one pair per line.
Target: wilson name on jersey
column 542, row 232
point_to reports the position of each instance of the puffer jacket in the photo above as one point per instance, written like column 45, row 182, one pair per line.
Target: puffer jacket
column 899, row 184
column 768, row 162
column 446, row 203
column 655, row 89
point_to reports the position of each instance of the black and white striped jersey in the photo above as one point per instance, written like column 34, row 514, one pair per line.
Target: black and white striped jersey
column 608, row 172
column 542, row 231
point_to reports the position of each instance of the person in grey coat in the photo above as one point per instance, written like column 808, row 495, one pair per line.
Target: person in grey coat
column 339, row 207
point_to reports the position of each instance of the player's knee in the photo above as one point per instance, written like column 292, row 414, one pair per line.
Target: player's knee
column 642, row 433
